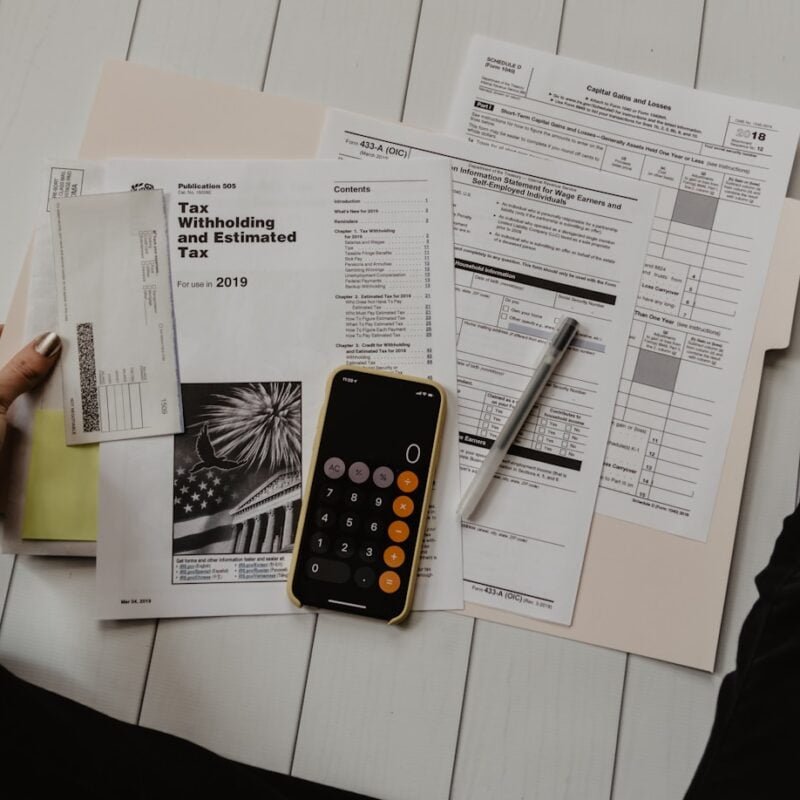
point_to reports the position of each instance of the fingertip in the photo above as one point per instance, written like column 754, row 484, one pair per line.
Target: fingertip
column 28, row 368
column 48, row 344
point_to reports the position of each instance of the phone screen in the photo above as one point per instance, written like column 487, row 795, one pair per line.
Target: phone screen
column 367, row 496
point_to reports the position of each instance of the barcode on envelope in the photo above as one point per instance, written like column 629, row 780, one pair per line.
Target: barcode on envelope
column 88, row 378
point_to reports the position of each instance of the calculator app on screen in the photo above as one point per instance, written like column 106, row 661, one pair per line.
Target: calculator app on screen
column 366, row 502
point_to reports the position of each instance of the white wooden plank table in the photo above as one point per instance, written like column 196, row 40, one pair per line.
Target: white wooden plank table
column 467, row 709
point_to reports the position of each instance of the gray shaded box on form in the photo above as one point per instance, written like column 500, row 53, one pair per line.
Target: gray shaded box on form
column 695, row 209
column 657, row 370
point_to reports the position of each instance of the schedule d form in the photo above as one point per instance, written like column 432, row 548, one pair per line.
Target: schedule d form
column 532, row 243
column 721, row 166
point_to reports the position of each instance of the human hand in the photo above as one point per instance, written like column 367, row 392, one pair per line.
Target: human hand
column 26, row 370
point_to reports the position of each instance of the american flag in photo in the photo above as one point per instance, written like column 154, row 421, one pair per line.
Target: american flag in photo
column 236, row 437
column 202, row 495
column 197, row 494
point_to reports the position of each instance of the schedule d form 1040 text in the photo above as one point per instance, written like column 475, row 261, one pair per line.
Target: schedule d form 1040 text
column 721, row 166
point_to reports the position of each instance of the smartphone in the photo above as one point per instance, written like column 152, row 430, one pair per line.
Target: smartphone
column 366, row 499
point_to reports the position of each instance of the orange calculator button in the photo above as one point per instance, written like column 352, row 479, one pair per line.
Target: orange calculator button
column 403, row 506
column 407, row 481
column 399, row 531
column 393, row 556
column 389, row 582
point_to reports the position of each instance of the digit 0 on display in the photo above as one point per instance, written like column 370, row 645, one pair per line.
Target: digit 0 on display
column 367, row 494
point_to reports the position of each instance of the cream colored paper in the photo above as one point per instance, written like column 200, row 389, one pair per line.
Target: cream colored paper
column 144, row 112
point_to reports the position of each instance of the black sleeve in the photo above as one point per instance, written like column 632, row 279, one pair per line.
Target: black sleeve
column 51, row 743
column 754, row 744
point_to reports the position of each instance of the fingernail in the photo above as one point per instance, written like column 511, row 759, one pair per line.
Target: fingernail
column 48, row 344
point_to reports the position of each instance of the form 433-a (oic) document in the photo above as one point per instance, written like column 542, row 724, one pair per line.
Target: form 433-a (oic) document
column 533, row 243
column 721, row 166
column 282, row 271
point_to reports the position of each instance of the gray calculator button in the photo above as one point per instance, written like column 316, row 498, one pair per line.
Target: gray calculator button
column 334, row 467
column 383, row 477
column 358, row 472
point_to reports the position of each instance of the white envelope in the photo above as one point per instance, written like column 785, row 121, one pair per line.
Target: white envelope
column 114, row 288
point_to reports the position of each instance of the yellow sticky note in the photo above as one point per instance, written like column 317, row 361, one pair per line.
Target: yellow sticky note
column 61, row 493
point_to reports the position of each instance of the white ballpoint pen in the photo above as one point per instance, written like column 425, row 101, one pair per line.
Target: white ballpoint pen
column 557, row 346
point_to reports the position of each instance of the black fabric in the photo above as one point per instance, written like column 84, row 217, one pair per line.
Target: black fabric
column 754, row 744
column 51, row 743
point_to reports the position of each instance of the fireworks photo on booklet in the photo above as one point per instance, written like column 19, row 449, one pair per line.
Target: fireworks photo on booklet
column 237, row 469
